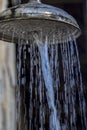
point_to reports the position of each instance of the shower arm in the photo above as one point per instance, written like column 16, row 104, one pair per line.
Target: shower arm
column 37, row 1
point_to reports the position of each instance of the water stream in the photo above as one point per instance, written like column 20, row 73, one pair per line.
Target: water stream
column 43, row 49
column 50, row 93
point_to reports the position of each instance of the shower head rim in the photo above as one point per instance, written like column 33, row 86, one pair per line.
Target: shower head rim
column 41, row 16
column 35, row 10
column 75, row 34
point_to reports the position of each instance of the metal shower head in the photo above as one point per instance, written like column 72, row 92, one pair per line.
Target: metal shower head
column 21, row 20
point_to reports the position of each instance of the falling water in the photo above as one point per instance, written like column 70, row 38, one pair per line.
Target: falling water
column 74, row 95
column 43, row 49
column 50, row 93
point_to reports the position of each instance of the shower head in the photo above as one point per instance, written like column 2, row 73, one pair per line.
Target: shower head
column 25, row 19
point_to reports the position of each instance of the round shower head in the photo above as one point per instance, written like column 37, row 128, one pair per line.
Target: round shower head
column 25, row 19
